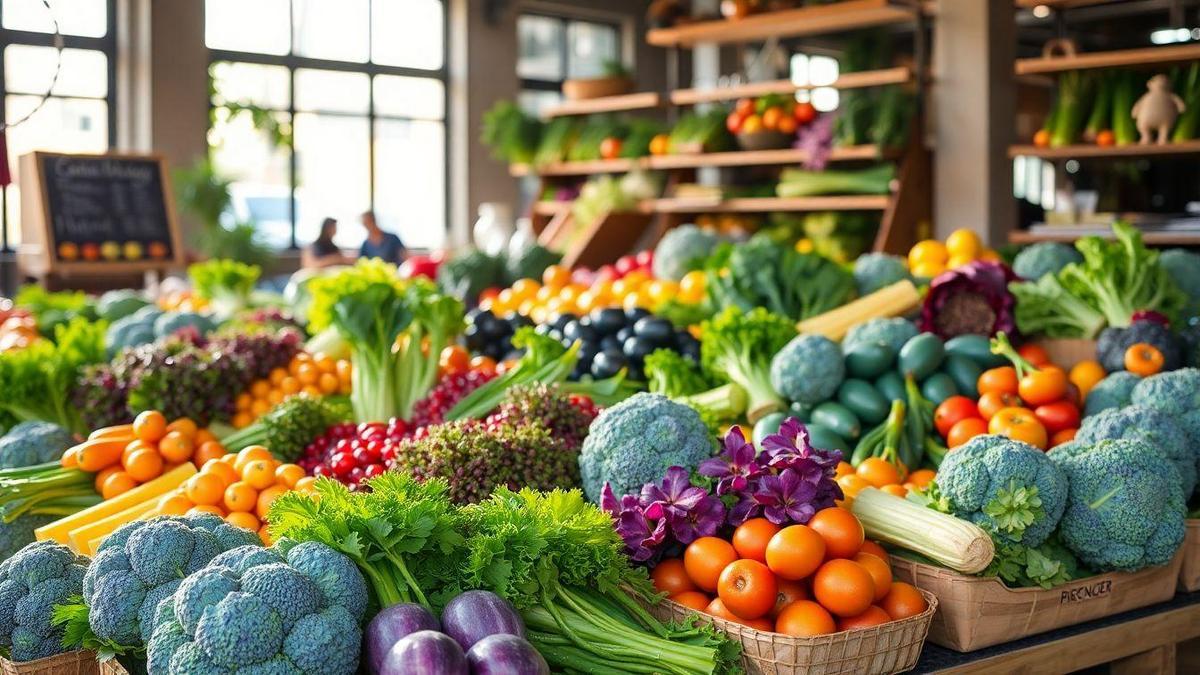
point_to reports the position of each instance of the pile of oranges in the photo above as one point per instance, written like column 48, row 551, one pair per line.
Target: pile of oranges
column 558, row 293
column 799, row 580
column 237, row 487
column 312, row 374
column 879, row 473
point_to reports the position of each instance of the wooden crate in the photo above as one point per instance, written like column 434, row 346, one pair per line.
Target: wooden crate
column 1189, row 572
column 71, row 663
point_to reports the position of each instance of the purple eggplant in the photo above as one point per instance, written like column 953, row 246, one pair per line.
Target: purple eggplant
column 390, row 626
column 426, row 652
column 506, row 655
column 475, row 615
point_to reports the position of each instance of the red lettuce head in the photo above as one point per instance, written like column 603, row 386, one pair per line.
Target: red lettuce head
column 972, row 299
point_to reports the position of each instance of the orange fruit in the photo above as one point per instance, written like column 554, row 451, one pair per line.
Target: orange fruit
column 718, row 609
column 307, row 373
column 751, row 537
column 795, row 552
column 288, row 474
column 176, row 446
column 242, row 420
column 144, row 465
column 893, row 489
column 922, row 477
column 289, row 385
column 184, row 426
column 267, row 496
column 243, row 401
column 240, row 496
column 844, row 587
column 264, row 533
column 305, row 484
column 249, row 454
column 705, row 559
column 328, row 383
column 881, row 572
column 174, row 504
column 747, row 588
column 842, row 532
column 692, row 599
column 103, row 474
column 203, row 436
column 874, row 616
column 222, row 470
column 903, row 600
column 275, row 397
column 804, row 618
column 117, row 483
column 852, row 484
column 259, row 473
column 876, row 550
column 787, row 592
column 843, row 469
column 259, row 388
column 150, row 426
column 206, row 451
column 260, row 407
column 878, row 472
column 670, row 577
column 276, row 376
column 244, row 520
column 204, row 489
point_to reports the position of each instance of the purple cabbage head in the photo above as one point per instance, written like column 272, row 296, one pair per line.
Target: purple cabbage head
column 972, row 299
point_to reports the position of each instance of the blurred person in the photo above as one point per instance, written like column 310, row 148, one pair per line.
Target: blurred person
column 380, row 244
column 323, row 252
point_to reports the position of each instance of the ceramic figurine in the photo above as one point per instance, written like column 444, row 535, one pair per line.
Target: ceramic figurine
column 1157, row 110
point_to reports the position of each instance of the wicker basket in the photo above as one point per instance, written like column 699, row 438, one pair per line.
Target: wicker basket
column 980, row 612
column 891, row 648
column 71, row 663
column 1189, row 572
column 112, row 667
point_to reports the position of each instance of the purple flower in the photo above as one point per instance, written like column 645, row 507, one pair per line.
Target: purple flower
column 735, row 467
column 787, row 498
column 641, row 536
column 747, row 507
column 703, row 520
column 816, row 139
column 792, row 449
column 675, row 496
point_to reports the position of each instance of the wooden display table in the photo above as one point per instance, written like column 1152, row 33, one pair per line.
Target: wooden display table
column 1142, row 641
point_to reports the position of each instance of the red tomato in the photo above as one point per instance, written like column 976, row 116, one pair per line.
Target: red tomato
column 951, row 411
column 626, row 264
column 1035, row 354
column 644, row 258
column 804, row 112
column 1064, row 436
column 610, row 148
column 1019, row 424
column 744, row 106
column 964, row 430
column 1057, row 416
column 734, row 122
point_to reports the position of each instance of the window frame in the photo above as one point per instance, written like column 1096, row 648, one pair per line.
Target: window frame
column 564, row 55
column 107, row 44
column 293, row 62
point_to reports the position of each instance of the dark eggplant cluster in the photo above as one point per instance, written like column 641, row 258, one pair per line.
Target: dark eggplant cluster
column 614, row 339
column 491, row 335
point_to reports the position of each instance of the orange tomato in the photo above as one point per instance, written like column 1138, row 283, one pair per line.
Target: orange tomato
column 747, row 588
column 259, row 474
column 244, row 520
column 183, row 425
column 692, row 600
column 880, row 570
column 705, row 559
column 249, row 454
column 878, row 472
column 670, row 577
column 208, row 450
column 804, row 618
column 1034, row 354
column 895, row 489
column 744, row 106
column 922, row 477
column 840, row 529
column 454, row 359
column 174, row 504
column 750, row 539
column 149, row 426
column 771, row 117
column 844, row 587
column 843, row 469
column 795, row 552
column 204, row 489
column 992, row 402
column 787, row 592
column 875, row 549
column 144, row 465
column 176, row 447
column 483, row 363
column 1064, row 436
column 852, row 484
column 719, row 610
column 288, row 474
column 1039, row 387
column 277, row 374
column 660, row 144
column 752, row 124
column 556, row 276
column 203, row 436
column 903, row 600
column 305, row 484
column 787, row 125
column 610, row 148
column 222, row 470
column 1143, row 359
column 1002, row 380
column 1019, row 424
column 1106, row 138
column 1041, row 139
column 950, row 411
column 117, row 483
column 241, row 496
column 874, row 616
column 1084, row 375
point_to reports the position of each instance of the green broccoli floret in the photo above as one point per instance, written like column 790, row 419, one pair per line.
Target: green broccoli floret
column 808, row 370
column 873, row 271
column 34, row 442
column 681, row 250
column 1156, row 428
column 637, row 440
column 1114, row 391
column 299, row 612
column 682, row 380
column 892, row 332
column 1047, row 257
column 1005, row 486
column 738, row 347
column 40, row 576
column 1176, row 393
column 1183, row 267
column 1125, row 508
column 15, row 535
column 1113, row 343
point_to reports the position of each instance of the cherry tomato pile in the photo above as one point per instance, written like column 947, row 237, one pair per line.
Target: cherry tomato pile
column 800, row 580
column 777, row 113
column 878, row 472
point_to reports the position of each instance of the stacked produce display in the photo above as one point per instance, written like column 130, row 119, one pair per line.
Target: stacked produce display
column 676, row 463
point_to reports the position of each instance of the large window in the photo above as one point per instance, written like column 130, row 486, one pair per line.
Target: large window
column 77, row 117
column 552, row 49
column 360, row 86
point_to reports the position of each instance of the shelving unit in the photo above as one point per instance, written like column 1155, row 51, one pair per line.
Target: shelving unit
column 699, row 161
column 1149, row 56
column 769, row 204
column 647, row 100
column 1106, row 152
column 1151, row 238
column 804, row 21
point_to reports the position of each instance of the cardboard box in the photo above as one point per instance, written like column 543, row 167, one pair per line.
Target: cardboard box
column 1065, row 353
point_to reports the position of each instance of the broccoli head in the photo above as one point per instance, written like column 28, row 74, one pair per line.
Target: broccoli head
column 122, row 588
column 1114, row 391
column 808, row 370
column 1158, row 429
column 1125, row 507
column 1006, row 487
column 873, row 271
column 1047, row 257
column 288, row 609
column 32, row 582
column 1183, row 267
column 35, row 442
column 1113, row 342
column 891, row 332
column 637, row 440
column 1176, row 393
column 681, row 250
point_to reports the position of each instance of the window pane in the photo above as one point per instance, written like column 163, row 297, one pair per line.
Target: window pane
column 260, row 191
column 539, row 48
column 332, row 91
column 29, row 70
column 534, row 101
column 421, row 97
column 88, row 18
column 330, row 29
column 260, row 26
column 333, row 164
column 410, row 181
column 266, row 86
column 407, row 33
column 62, row 125
column 590, row 46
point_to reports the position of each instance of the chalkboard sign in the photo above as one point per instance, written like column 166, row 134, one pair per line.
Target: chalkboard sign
column 96, row 213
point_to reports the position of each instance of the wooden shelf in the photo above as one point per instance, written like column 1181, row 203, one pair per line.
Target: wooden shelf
column 1126, row 57
column 1150, row 238
column 577, row 168
column 697, row 161
column 1059, row 4
column 1112, row 151
column 639, row 101
column 866, row 78
column 768, row 204
column 550, row 208
column 816, row 20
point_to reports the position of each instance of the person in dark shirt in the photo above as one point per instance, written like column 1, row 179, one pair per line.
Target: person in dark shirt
column 380, row 244
column 323, row 252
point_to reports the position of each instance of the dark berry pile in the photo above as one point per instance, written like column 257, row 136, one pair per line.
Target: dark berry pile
column 450, row 390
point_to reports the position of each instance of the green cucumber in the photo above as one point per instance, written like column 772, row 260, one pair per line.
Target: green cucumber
column 964, row 372
column 823, row 438
column 838, row 418
column 863, row 400
column 977, row 348
column 767, row 426
column 922, row 355
column 938, row 387
column 869, row 360
column 800, row 411
column 891, row 385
